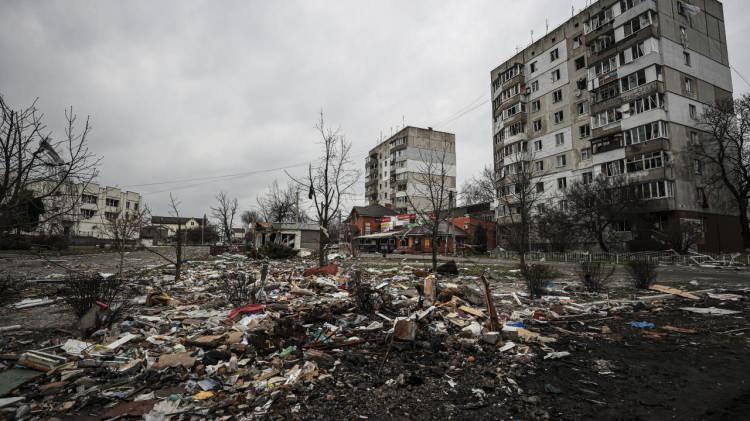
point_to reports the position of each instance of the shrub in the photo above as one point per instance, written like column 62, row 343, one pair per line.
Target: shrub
column 536, row 277
column 83, row 291
column 643, row 272
column 23, row 242
column 239, row 288
column 54, row 242
column 594, row 275
column 15, row 242
column 277, row 251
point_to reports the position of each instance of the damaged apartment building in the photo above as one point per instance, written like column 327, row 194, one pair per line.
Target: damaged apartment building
column 618, row 90
column 395, row 170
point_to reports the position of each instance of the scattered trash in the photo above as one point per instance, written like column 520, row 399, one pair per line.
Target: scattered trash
column 679, row 329
column 181, row 349
column 725, row 297
column 556, row 355
column 642, row 325
column 710, row 311
column 674, row 291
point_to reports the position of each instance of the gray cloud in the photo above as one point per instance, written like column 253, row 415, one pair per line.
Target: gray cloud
column 185, row 89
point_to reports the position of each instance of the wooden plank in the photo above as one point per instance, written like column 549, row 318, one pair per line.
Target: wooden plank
column 674, row 291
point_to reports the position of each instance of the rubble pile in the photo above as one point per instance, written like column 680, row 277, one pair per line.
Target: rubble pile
column 312, row 338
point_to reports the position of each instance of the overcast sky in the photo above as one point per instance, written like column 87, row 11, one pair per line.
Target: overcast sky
column 182, row 90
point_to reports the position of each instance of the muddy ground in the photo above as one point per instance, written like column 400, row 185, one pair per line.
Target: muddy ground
column 629, row 374
column 614, row 371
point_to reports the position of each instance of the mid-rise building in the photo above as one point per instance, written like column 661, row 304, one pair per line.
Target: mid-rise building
column 618, row 90
column 97, row 205
column 85, row 209
column 396, row 169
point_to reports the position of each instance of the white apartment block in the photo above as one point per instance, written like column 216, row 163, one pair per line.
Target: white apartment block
column 97, row 205
column 618, row 89
column 394, row 169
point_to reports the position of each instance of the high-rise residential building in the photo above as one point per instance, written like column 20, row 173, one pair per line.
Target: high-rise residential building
column 618, row 90
column 396, row 169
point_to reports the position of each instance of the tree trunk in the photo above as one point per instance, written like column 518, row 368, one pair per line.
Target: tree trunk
column 600, row 240
column 434, row 248
column 178, row 261
column 322, row 255
column 122, row 259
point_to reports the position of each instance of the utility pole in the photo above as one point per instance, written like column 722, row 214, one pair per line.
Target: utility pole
column 297, row 205
column 450, row 219
column 341, row 230
column 203, row 227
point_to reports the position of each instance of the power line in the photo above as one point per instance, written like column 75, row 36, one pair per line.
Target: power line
column 465, row 112
column 740, row 75
column 182, row 180
column 462, row 111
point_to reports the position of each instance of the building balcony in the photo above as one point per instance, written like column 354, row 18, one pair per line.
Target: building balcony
column 515, row 118
column 497, row 126
column 607, row 104
column 515, row 138
column 496, row 90
column 607, row 130
column 512, row 81
column 512, row 101
column 643, row 90
column 653, row 145
column 602, row 30
column 606, row 144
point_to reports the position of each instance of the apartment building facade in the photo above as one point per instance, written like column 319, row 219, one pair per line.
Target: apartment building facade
column 396, row 169
column 97, row 205
column 88, row 208
column 618, row 91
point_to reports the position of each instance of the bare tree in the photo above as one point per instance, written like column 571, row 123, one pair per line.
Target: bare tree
column 225, row 211
column 481, row 188
column 681, row 235
column 727, row 154
column 520, row 189
column 556, row 227
column 175, row 211
column 599, row 204
column 280, row 204
column 329, row 180
column 41, row 177
column 431, row 187
column 123, row 229
column 249, row 217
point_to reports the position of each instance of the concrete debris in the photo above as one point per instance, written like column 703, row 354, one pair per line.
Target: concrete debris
column 319, row 336
column 713, row 311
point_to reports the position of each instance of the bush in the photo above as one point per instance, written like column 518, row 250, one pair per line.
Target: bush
column 643, row 272
column 25, row 242
column 15, row 242
column 277, row 251
column 239, row 288
column 83, row 291
column 536, row 277
column 54, row 242
column 594, row 275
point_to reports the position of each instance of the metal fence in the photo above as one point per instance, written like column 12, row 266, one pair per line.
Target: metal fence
column 662, row 257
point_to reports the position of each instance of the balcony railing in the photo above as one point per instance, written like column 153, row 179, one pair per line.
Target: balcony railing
column 606, row 144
